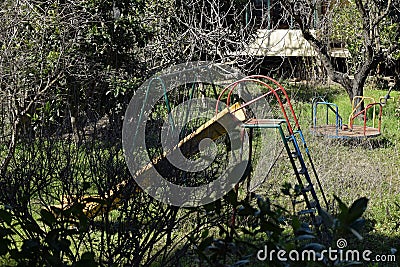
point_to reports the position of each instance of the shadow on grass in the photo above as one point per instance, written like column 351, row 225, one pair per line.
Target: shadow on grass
column 385, row 250
column 384, row 247
column 305, row 92
column 368, row 143
column 365, row 143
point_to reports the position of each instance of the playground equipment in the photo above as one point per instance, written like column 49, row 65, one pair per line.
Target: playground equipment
column 237, row 114
column 359, row 126
column 290, row 132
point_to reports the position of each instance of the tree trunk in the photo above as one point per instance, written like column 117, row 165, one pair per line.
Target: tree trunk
column 370, row 54
column 13, row 141
column 357, row 90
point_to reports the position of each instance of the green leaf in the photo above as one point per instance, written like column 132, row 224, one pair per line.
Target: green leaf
column 5, row 232
column 357, row 209
column 30, row 245
column 268, row 226
column 205, row 233
column 87, row 256
column 246, row 210
column 304, row 237
column 4, row 243
column 241, row 262
column 343, row 207
column 86, row 186
column 296, row 224
column 231, row 198
column 205, row 243
column 47, row 217
column 5, row 216
column 327, row 219
column 263, row 205
column 344, row 210
column 87, row 260
column 47, row 106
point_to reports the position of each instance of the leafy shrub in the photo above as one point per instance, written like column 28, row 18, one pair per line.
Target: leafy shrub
column 261, row 223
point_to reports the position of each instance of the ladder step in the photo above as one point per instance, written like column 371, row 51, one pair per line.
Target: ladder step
column 291, row 137
column 308, row 188
column 302, row 170
column 313, row 204
column 307, row 211
column 295, row 202
column 295, row 154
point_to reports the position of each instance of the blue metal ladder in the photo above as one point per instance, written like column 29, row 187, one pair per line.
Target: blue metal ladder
column 301, row 170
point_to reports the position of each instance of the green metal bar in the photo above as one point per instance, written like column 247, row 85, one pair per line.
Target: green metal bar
column 142, row 109
column 273, row 123
column 170, row 118
column 264, row 126
column 188, row 109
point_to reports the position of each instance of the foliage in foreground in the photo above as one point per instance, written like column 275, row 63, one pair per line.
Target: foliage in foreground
column 55, row 237
column 262, row 227
column 144, row 232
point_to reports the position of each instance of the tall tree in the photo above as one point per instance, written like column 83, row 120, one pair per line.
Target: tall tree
column 63, row 59
column 33, row 44
column 369, row 29
column 215, row 30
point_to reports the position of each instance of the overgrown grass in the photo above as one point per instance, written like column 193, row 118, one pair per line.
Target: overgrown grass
column 355, row 168
column 348, row 169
